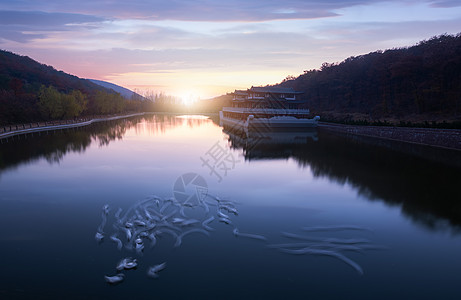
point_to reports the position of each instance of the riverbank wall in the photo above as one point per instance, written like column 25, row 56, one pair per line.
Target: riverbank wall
column 440, row 138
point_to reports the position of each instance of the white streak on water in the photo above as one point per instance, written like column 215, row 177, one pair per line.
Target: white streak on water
column 206, row 222
column 99, row 236
column 336, row 228
column 152, row 271
column 117, row 240
column 154, row 217
column 225, row 220
column 249, row 235
column 327, row 240
column 127, row 264
column 114, row 279
column 179, row 238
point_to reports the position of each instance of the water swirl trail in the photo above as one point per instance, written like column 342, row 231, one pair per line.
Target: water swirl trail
column 147, row 220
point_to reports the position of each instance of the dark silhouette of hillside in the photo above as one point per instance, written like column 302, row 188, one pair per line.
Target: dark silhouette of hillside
column 23, row 74
column 23, row 93
column 418, row 83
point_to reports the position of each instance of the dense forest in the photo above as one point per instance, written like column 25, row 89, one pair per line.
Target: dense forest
column 30, row 91
column 421, row 83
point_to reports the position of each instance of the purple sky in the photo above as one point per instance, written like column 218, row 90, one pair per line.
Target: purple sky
column 203, row 48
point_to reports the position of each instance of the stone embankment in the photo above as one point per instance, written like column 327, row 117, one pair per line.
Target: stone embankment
column 8, row 131
column 442, row 138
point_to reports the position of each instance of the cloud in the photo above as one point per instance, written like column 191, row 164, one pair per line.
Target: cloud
column 446, row 3
column 194, row 10
column 165, row 42
column 24, row 26
column 44, row 19
column 18, row 36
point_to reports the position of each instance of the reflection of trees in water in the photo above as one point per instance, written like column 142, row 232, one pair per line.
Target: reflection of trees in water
column 428, row 192
column 54, row 145
column 160, row 124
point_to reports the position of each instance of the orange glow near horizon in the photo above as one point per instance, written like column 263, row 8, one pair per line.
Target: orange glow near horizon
column 190, row 85
column 174, row 127
column 200, row 50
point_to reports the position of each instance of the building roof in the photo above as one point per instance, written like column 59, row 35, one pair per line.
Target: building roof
column 240, row 92
column 272, row 89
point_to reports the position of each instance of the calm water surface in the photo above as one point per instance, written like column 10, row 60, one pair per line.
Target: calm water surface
column 406, row 209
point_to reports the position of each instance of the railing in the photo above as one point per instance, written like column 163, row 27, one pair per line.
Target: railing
column 266, row 111
column 10, row 130
column 15, row 127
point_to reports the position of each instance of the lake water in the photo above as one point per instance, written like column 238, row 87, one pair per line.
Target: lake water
column 319, row 216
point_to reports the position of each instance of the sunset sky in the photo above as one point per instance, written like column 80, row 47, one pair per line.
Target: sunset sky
column 204, row 48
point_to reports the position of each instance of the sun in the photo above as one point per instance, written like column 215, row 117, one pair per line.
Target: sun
column 188, row 99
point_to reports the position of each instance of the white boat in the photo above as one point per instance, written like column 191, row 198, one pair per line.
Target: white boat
column 268, row 108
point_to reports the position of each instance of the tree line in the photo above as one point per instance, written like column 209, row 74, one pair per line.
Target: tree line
column 31, row 92
column 50, row 104
column 422, row 82
column 161, row 102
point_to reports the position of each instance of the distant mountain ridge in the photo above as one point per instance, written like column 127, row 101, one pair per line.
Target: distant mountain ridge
column 127, row 93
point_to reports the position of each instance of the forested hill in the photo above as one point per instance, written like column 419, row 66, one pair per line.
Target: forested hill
column 418, row 83
column 31, row 91
column 23, row 74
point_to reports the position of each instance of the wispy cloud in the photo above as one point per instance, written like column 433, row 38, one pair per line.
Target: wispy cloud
column 218, row 43
column 15, row 34
column 195, row 10
column 24, row 26
column 45, row 20
column 446, row 3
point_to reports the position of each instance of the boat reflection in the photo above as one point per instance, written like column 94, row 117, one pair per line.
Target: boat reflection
column 426, row 190
column 268, row 143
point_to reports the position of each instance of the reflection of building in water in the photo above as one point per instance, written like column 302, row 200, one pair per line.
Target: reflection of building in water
column 269, row 143
column 262, row 107
column 426, row 191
